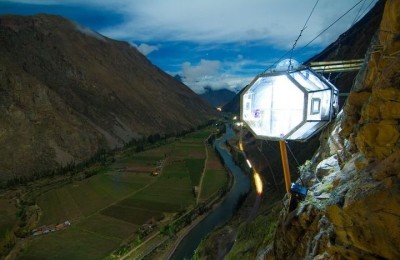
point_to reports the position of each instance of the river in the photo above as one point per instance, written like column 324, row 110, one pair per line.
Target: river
column 223, row 212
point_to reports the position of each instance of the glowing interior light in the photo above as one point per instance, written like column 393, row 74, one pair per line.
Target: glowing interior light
column 288, row 105
column 248, row 163
column 241, row 146
column 258, row 182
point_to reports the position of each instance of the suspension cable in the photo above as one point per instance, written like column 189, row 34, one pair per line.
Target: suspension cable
column 301, row 32
column 358, row 13
column 327, row 28
column 348, row 35
column 322, row 32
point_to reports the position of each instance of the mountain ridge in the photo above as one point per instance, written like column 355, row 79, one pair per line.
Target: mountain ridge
column 67, row 92
column 218, row 97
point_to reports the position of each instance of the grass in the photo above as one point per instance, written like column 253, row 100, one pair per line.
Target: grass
column 108, row 226
column 140, row 160
column 254, row 235
column 168, row 194
column 58, row 205
column 212, row 182
column 88, row 196
column 215, row 176
column 7, row 216
column 72, row 243
column 195, row 168
column 132, row 215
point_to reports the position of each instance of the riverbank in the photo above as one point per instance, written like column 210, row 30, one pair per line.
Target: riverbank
column 165, row 241
column 183, row 244
column 161, row 247
column 213, row 204
column 224, row 210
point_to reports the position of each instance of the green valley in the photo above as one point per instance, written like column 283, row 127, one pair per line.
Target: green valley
column 133, row 196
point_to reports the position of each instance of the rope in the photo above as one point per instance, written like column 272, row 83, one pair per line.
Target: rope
column 294, row 157
column 297, row 162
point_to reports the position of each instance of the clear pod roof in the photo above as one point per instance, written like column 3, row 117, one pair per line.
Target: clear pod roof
column 288, row 105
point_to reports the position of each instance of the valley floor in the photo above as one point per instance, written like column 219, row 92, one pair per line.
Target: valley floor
column 115, row 207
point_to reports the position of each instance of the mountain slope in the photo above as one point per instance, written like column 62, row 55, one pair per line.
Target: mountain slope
column 66, row 92
column 217, row 98
column 233, row 105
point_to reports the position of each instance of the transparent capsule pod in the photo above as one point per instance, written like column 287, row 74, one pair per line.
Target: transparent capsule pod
column 288, row 105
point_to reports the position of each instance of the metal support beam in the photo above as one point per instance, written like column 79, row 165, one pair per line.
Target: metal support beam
column 285, row 164
column 336, row 66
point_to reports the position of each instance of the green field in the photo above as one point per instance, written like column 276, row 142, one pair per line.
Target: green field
column 137, row 216
column 71, row 243
column 108, row 226
column 108, row 208
column 195, row 168
column 83, row 198
column 215, row 176
column 7, row 216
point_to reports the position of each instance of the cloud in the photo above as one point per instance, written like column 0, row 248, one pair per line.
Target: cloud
column 270, row 21
column 89, row 32
column 206, row 68
column 274, row 22
column 227, row 42
column 146, row 49
column 213, row 74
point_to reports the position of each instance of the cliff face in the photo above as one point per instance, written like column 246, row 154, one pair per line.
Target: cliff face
column 66, row 92
column 352, row 210
column 266, row 153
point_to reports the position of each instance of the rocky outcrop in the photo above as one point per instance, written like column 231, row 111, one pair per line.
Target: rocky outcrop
column 352, row 210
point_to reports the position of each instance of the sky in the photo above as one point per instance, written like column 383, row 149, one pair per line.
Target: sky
column 209, row 43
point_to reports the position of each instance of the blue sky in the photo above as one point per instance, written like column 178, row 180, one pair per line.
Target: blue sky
column 215, row 43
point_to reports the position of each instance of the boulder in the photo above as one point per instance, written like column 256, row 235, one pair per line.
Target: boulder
column 327, row 166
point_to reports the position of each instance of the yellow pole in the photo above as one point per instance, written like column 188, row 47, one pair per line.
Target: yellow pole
column 285, row 164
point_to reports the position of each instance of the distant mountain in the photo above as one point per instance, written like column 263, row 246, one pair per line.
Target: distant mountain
column 233, row 106
column 67, row 92
column 219, row 97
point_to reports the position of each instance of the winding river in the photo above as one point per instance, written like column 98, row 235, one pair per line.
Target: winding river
column 225, row 210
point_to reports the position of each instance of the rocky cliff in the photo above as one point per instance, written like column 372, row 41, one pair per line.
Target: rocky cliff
column 66, row 92
column 352, row 210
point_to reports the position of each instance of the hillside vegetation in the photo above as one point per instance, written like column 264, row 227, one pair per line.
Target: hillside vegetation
column 67, row 92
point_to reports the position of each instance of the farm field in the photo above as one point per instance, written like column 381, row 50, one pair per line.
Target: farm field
column 71, row 243
column 7, row 216
column 106, row 210
column 215, row 176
